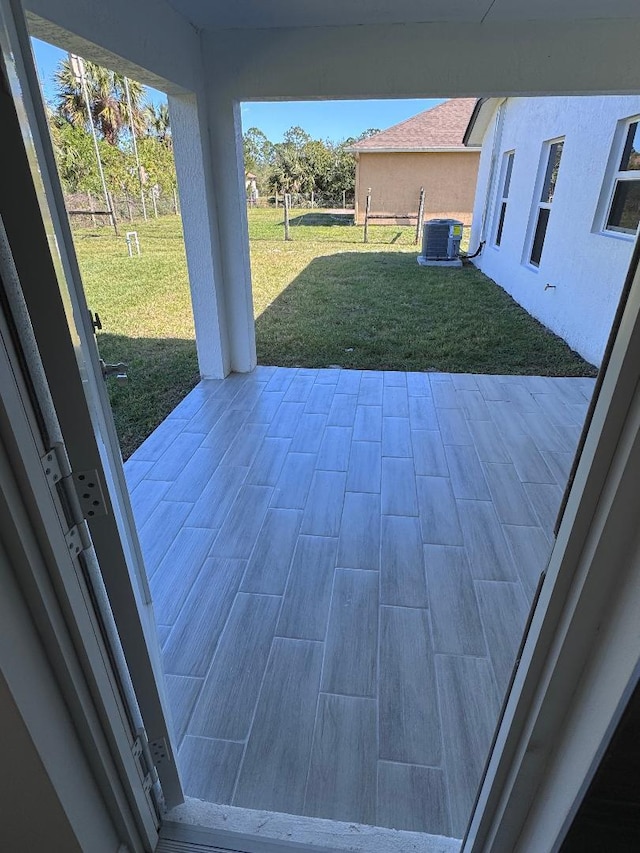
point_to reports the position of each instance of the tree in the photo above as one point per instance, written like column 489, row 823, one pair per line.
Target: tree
column 158, row 125
column 107, row 98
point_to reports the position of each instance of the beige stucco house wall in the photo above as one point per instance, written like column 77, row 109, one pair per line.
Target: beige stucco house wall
column 395, row 179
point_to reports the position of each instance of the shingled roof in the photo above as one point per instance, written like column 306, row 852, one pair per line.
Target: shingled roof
column 442, row 127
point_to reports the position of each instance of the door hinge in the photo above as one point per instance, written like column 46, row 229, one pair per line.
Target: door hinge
column 149, row 755
column 80, row 493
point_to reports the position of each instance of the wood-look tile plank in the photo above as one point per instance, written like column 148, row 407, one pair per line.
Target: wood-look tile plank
column 160, row 439
column 248, row 395
column 370, row 393
column 328, row 375
column 368, row 423
column 160, row 530
column 455, row 618
column 559, row 464
column 323, row 511
column 207, row 416
column 464, row 381
column 305, row 608
column 395, row 378
column 409, row 724
column 396, row 437
column 179, row 452
column 531, row 550
column 134, row 472
column 270, row 561
column 545, row 435
column 395, row 401
column 402, row 577
column 473, row 405
column 469, row 706
column 145, row 497
column 195, row 474
column 342, row 775
column 509, row 497
column 237, row 536
column 285, row 421
column 428, row 453
column 365, row 466
column 320, row 399
column 545, row 499
column 195, row 399
column 438, row 513
column 412, row 798
column 489, row 443
column 172, row 581
column 445, row 395
column 422, row 413
column 267, row 464
column 487, row 551
column 453, row 427
column 351, row 646
column 244, row 448
column 299, row 389
column 209, row 768
column 349, row 382
column 275, row 767
column 503, row 610
column 418, row 385
column 398, row 487
column 230, row 691
column 224, row 431
column 521, row 398
column 265, row 408
column 163, row 632
column 216, row 498
column 335, row 449
column 280, row 379
column 466, row 472
column 491, row 388
column 506, row 418
column 555, row 408
column 343, row 410
column 308, row 435
column 194, row 637
column 359, row 542
column 182, row 694
column 293, row 483
column 528, row 461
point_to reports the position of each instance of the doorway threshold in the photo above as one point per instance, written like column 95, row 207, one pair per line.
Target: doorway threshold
column 206, row 827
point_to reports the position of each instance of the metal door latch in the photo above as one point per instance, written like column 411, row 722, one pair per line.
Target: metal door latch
column 117, row 371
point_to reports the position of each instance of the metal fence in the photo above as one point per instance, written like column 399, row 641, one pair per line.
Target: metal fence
column 87, row 210
column 309, row 201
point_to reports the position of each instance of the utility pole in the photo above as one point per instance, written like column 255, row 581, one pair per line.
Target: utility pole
column 135, row 146
column 77, row 67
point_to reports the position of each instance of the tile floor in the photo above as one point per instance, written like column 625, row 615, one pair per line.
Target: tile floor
column 342, row 563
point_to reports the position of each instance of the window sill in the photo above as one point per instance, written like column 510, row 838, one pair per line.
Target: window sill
column 617, row 235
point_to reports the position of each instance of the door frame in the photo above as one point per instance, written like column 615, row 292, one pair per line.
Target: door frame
column 42, row 247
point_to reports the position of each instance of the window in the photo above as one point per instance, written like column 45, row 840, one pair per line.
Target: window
column 624, row 208
column 507, row 168
column 543, row 209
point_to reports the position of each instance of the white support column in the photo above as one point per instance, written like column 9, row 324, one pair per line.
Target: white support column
column 199, row 221
column 227, row 167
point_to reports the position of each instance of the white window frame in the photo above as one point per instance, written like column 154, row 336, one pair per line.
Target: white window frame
column 538, row 204
column 508, row 160
column 615, row 175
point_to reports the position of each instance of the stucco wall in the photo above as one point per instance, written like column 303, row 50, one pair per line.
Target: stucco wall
column 585, row 266
column 449, row 181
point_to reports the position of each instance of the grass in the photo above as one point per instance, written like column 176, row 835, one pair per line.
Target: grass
column 323, row 299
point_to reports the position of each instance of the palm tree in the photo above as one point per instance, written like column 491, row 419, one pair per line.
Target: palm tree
column 158, row 125
column 107, row 97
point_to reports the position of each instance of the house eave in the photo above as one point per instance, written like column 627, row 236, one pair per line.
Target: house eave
column 406, row 150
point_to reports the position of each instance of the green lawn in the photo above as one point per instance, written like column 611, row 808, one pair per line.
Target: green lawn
column 323, row 299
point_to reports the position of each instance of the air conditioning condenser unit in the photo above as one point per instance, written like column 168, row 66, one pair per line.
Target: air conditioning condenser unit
column 441, row 243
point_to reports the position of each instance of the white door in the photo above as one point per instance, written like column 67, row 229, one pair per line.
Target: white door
column 65, row 335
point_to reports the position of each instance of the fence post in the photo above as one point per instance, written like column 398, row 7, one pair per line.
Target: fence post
column 155, row 206
column 112, row 213
column 420, row 216
column 130, row 208
column 344, row 200
column 175, row 201
column 93, row 218
column 287, row 205
column 367, row 211
column 276, row 198
column 312, row 199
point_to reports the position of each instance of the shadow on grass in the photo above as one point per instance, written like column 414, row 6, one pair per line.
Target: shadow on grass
column 161, row 372
column 321, row 218
column 380, row 310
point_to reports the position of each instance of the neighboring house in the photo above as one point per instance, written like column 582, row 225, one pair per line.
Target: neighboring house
column 424, row 151
column 558, row 204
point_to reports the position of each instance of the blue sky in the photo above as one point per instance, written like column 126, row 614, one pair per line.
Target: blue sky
column 333, row 120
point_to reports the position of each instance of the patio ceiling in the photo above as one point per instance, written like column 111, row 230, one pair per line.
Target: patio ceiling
column 258, row 14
